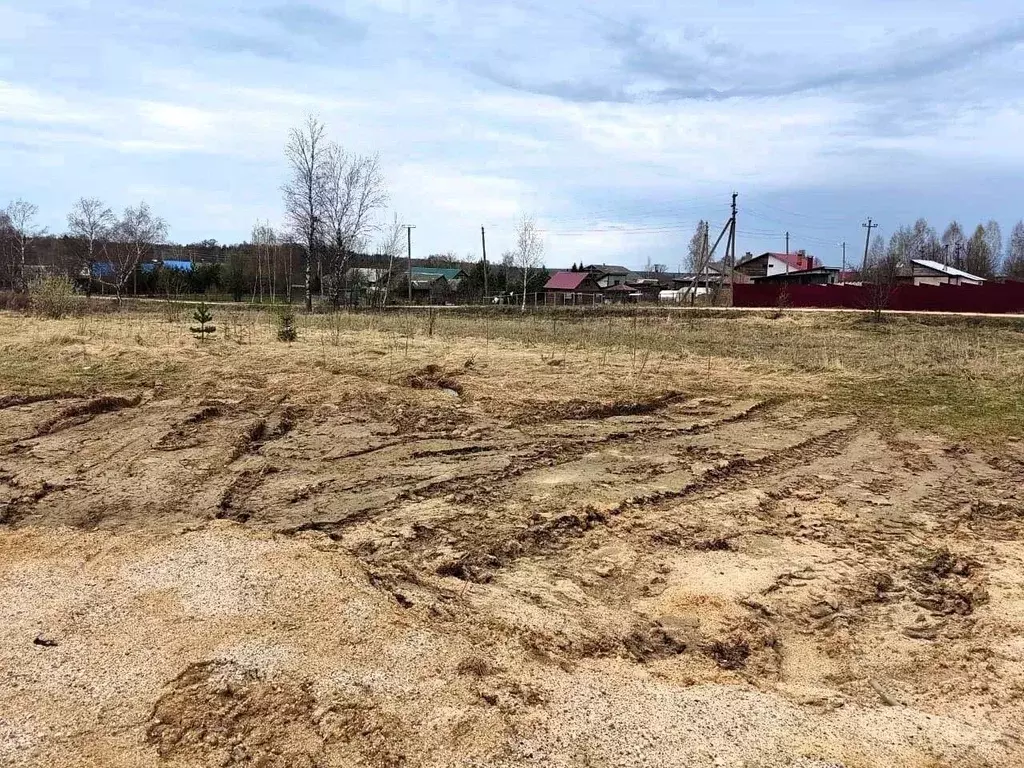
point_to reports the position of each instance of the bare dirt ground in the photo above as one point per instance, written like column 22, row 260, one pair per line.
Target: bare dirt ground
column 364, row 550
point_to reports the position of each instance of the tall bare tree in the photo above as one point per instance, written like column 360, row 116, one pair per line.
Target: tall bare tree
column 1014, row 265
column 994, row 239
column 21, row 218
column 8, row 260
column 392, row 245
column 528, row 251
column 354, row 193
column 980, row 260
column 133, row 239
column 264, row 241
column 883, row 270
column 91, row 222
column 697, row 256
column 923, row 242
column 304, row 190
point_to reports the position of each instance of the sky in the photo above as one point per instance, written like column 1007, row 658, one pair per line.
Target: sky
column 616, row 125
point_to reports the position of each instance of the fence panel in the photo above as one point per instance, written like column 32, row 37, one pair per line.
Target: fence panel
column 990, row 298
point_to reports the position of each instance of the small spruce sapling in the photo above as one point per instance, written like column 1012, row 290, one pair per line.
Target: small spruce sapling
column 203, row 317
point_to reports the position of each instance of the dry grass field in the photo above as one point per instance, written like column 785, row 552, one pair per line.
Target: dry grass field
column 458, row 539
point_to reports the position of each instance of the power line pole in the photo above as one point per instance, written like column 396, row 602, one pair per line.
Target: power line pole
column 408, row 253
column 787, row 243
column 730, row 250
column 483, row 243
column 867, row 242
column 842, row 275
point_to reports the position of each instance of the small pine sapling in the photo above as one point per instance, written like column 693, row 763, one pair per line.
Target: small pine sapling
column 203, row 317
column 286, row 326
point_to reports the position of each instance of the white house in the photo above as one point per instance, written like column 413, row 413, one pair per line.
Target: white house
column 928, row 272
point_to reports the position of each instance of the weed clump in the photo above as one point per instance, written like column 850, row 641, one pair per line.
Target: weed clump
column 286, row 330
column 54, row 297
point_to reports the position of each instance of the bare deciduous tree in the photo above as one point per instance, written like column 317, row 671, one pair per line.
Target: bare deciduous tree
column 21, row 216
column 132, row 242
column 980, row 259
column 1014, row 265
column 392, row 245
column 528, row 251
column 91, row 221
column 994, row 240
column 265, row 245
column 353, row 194
column 883, row 270
column 698, row 259
column 306, row 152
column 923, row 242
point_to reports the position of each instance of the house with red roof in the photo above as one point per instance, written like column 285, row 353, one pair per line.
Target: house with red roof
column 571, row 288
column 770, row 264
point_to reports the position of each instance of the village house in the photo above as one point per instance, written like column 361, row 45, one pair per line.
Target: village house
column 571, row 288
column 776, row 263
column 927, row 272
column 815, row 276
column 607, row 275
column 451, row 274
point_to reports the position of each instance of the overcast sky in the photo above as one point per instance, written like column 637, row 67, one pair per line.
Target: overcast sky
column 618, row 125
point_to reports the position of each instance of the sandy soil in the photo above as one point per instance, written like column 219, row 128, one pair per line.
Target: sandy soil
column 466, row 567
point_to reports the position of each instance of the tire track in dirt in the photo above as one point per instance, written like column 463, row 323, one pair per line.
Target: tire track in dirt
column 77, row 415
column 552, row 452
column 12, row 401
column 551, row 535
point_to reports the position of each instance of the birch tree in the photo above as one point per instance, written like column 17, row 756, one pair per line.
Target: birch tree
column 354, row 193
column 697, row 257
column 392, row 245
column 132, row 242
column 304, row 190
column 528, row 251
column 21, row 218
column 264, row 241
column 91, row 222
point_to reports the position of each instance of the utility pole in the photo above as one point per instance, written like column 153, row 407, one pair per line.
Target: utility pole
column 730, row 250
column 408, row 253
column 867, row 242
column 483, row 244
column 842, row 275
column 945, row 258
column 787, row 243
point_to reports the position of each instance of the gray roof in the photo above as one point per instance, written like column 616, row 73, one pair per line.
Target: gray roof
column 607, row 269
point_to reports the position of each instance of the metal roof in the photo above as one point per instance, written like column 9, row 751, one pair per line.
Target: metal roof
column 448, row 273
column 946, row 269
column 566, row 281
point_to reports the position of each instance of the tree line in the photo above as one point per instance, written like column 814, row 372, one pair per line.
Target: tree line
column 335, row 218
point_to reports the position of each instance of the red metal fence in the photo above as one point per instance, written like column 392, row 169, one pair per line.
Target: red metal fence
column 995, row 298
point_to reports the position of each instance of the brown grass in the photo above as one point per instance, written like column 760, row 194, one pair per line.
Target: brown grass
column 963, row 378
